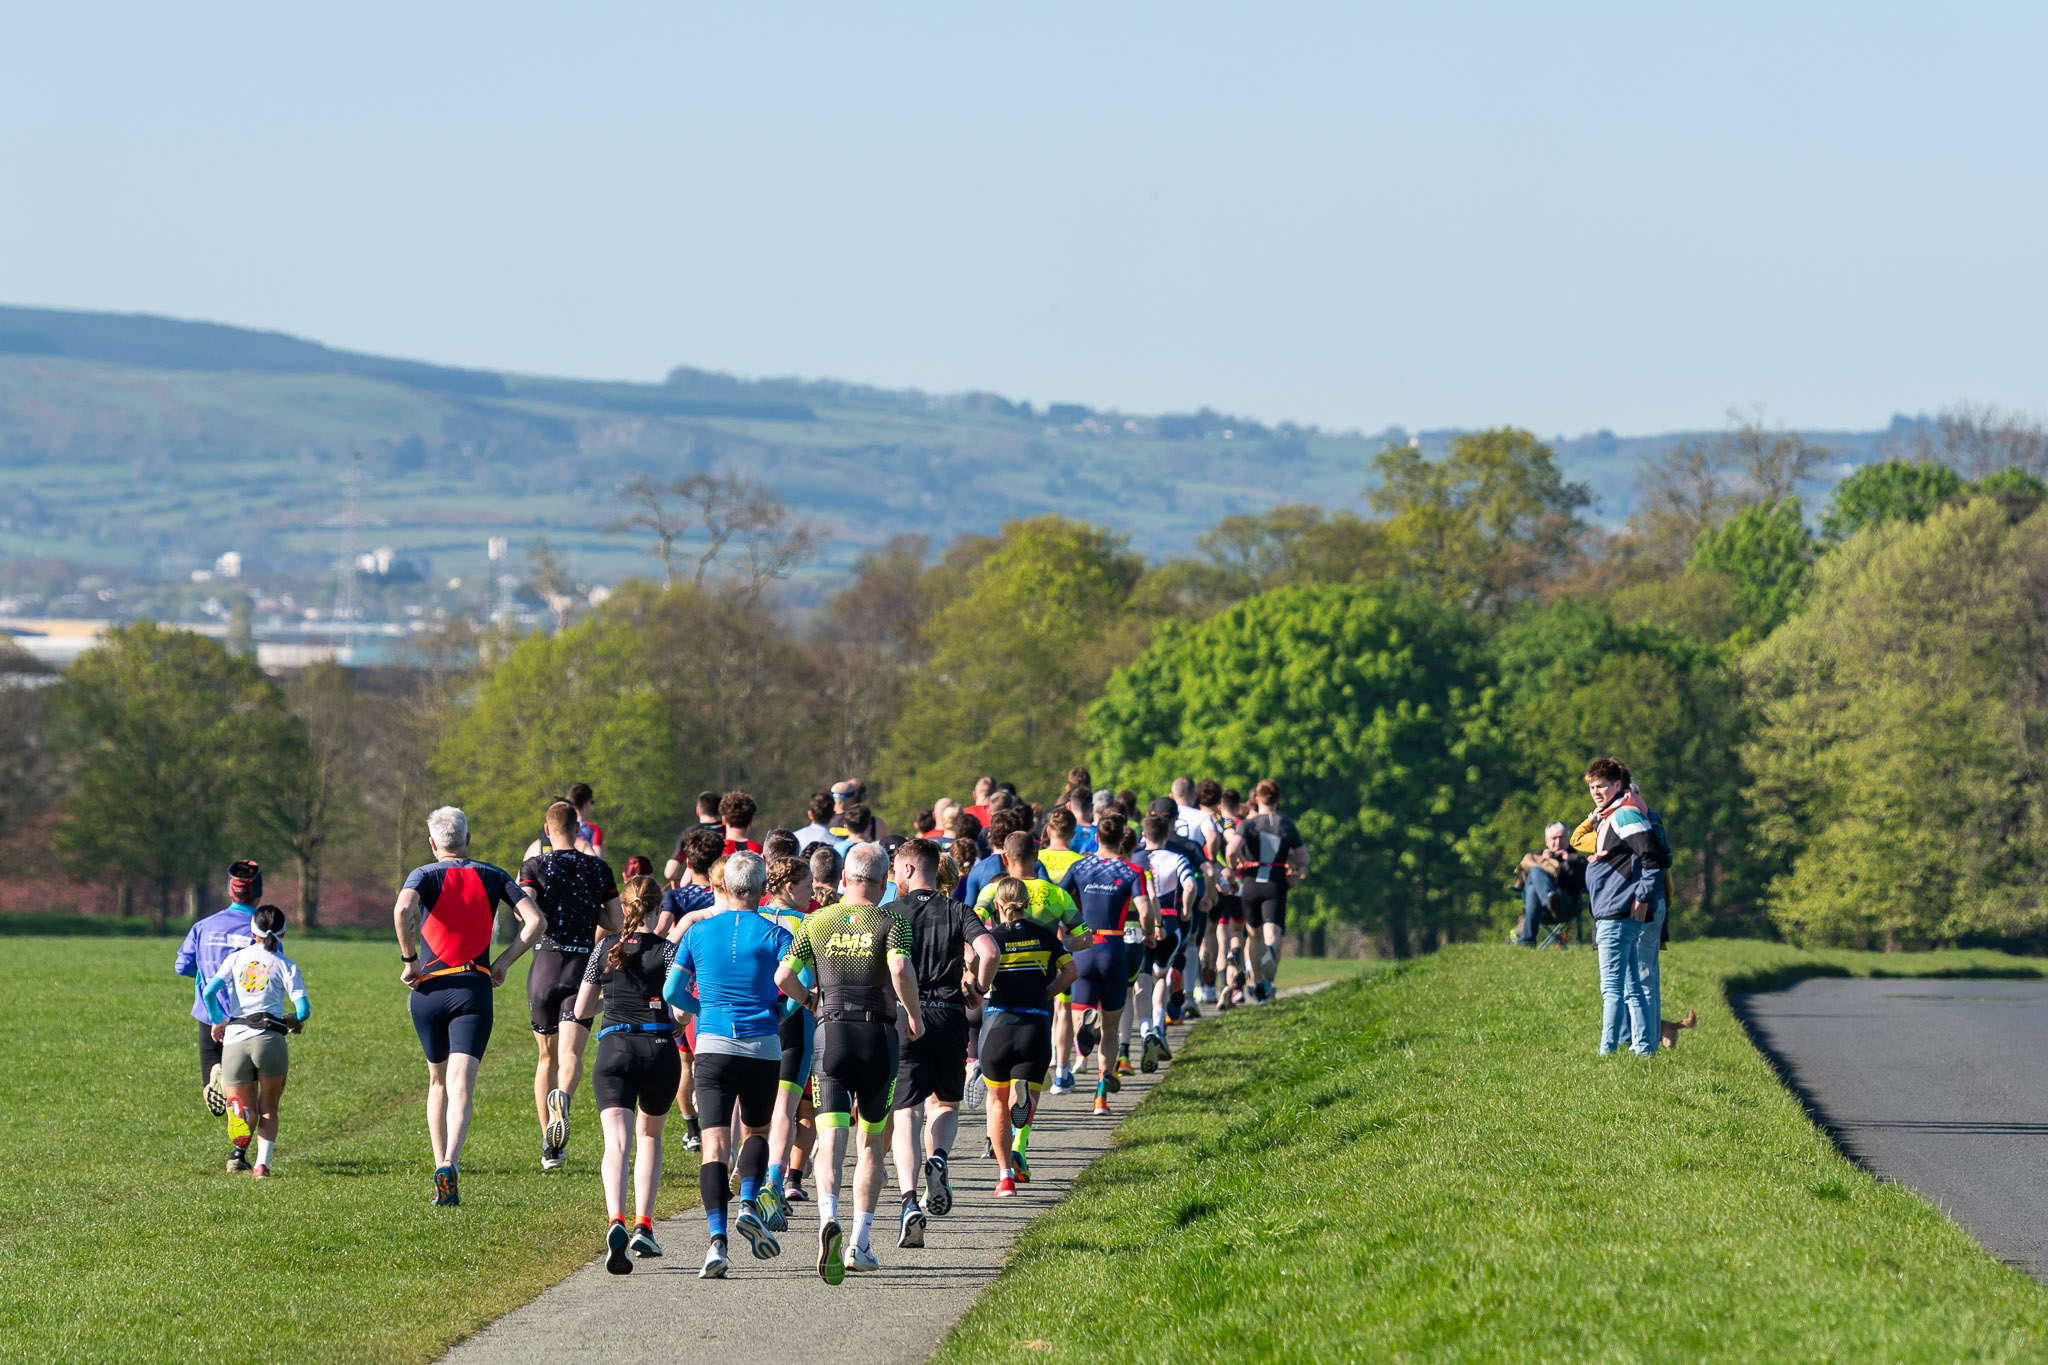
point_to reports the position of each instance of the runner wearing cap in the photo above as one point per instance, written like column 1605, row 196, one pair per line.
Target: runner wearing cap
column 207, row 945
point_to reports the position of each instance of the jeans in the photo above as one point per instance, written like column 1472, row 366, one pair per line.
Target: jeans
column 1625, row 1011
column 1536, row 889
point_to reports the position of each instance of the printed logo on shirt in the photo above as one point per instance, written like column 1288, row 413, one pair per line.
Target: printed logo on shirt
column 254, row 976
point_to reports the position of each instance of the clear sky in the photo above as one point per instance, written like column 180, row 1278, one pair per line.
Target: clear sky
column 1568, row 216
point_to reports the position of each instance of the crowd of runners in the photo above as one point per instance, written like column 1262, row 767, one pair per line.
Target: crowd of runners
column 797, row 992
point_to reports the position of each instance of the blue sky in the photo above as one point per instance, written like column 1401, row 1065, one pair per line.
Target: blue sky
column 1564, row 216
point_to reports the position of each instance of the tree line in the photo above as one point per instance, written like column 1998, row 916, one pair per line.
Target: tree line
column 1840, row 717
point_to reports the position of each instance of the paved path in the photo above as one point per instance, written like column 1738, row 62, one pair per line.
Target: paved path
column 1940, row 1085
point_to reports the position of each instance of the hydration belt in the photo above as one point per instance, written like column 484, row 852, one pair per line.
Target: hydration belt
column 1100, row 936
column 610, row 1029
column 455, row 970
column 1005, row 1009
column 265, row 1022
column 857, row 1017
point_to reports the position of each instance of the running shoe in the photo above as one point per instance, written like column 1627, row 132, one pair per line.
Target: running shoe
column 988, row 1148
column 262, row 1171
column 1102, row 1106
column 861, row 1260
column 973, row 1097
column 238, row 1160
column 1176, row 1007
column 239, row 1126
column 558, row 1120
column 693, row 1138
column 643, row 1244
column 1020, row 1110
column 550, row 1157
column 774, row 1209
column 615, row 1240
column 446, row 1192
column 1150, row 1060
column 1086, row 1037
column 1062, row 1083
column 1113, row 1081
column 938, row 1189
column 750, row 1225
column 831, row 1254
column 910, row 1230
column 1007, row 1186
column 1194, row 1011
column 1123, row 1066
column 1021, row 1164
column 732, row 1186
column 793, row 1189
column 216, row 1093
column 1165, row 1052
column 714, row 1261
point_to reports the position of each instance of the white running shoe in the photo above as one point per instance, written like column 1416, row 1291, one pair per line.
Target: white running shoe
column 974, row 1096
column 860, row 1260
column 760, row 1240
column 714, row 1261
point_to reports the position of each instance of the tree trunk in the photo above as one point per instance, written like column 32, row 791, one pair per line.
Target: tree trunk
column 309, row 892
column 1397, row 935
column 192, row 900
column 124, row 900
column 160, row 917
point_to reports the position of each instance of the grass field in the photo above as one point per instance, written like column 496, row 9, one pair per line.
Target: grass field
column 1429, row 1164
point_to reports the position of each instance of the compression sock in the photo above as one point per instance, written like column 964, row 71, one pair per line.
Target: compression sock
column 828, row 1208
column 863, row 1228
column 1159, row 1018
column 775, row 1178
column 714, row 1187
column 263, row 1151
column 753, row 1162
column 644, row 1222
column 1021, row 1141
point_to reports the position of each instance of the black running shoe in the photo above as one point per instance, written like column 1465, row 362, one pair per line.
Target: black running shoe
column 910, row 1228
column 615, row 1240
column 693, row 1136
column 938, row 1186
column 445, row 1193
column 238, row 1160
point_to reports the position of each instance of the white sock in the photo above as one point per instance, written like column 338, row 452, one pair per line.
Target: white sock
column 1159, row 1018
column 828, row 1208
column 863, row 1228
column 263, row 1151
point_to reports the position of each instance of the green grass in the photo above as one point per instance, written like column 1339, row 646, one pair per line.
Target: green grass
column 1306, row 971
column 121, row 1236
column 1429, row 1163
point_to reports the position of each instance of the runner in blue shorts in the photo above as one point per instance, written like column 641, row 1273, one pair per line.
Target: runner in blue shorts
column 1107, row 889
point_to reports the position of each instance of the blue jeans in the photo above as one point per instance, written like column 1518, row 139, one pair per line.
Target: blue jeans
column 1536, row 889
column 1647, row 973
column 1625, row 1011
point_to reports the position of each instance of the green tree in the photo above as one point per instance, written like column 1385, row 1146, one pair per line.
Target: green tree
column 1767, row 553
column 1879, row 494
column 309, row 798
column 1013, row 661
column 1486, row 525
column 1900, row 758
column 167, row 733
column 1362, row 701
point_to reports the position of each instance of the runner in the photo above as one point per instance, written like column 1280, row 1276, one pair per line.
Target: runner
column 1054, row 908
column 1268, row 854
column 859, row 951
column 1137, row 946
column 791, row 1134
column 845, row 797
column 733, row 955
column 825, row 867
column 1106, row 890
column 207, row 944
column 253, row 999
column 1000, row 826
column 699, row 850
column 589, row 838
column 1059, row 854
column 638, row 1068
column 707, row 819
column 1033, row 968
column 932, row 1073
column 819, row 830
column 443, row 918
column 577, row 895
column 736, row 810
column 1175, row 889
column 1223, row 949
column 965, row 850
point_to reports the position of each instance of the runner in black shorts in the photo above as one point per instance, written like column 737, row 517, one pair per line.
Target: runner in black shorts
column 577, row 895
column 1175, row 889
column 1033, row 968
column 637, row 1070
column 860, row 950
column 932, row 1074
column 1268, row 855
column 444, row 918
column 1107, row 889
column 791, row 1132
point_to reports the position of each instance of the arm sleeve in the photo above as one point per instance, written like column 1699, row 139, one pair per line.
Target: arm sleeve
column 423, row 882
column 1070, row 911
column 529, row 876
column 187, row 961
column 971, row 926
column 499, row 883
column 675, row 989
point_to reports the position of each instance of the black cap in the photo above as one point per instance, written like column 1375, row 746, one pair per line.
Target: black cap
column 1163, row 805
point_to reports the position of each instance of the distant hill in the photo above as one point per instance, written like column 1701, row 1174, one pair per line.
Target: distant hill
column 154, row 445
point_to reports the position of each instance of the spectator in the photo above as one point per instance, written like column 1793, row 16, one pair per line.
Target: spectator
column 1551, row 880
column 819, row 830
column 1628, row 856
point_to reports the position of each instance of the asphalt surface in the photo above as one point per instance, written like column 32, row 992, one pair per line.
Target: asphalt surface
column 1939, row 1085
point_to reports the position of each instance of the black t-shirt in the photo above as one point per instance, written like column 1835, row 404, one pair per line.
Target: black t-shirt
column 715, row 826
column 940, row 930
column 571, row 888
column 1032, row 955
column 1268, row 838
column 632, row 990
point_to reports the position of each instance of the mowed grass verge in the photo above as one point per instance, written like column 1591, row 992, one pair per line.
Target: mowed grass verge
column 1430, row 1164
column 122, row 1236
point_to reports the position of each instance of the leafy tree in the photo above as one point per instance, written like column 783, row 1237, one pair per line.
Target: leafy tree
column 1487, row 524
column 1878, row 494
column 1362, row 701
column 1013, row 661
column 1767, row 553
column 2015, row 489
column 168, row 733
column 1900, row 759
column 309, row 797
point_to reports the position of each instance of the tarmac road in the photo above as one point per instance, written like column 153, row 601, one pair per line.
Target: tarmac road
column 1939, row 1085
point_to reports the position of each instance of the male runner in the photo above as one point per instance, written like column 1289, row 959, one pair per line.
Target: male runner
column 1000, row 827
column 707, row 819
column 589, row 838
column 444, row 918
column 1034, row 967
column 699, row 850
column 1175, row 890
column 931, row 1076
column 845, row 797
column 733, row 955
column 859, row 950
column 576, row 893
column 1106, row 889
column 790, row 1133
column 736, row 810
column 207, row 944
column 819, row 830
column 1269, row 855
column 1223, row 958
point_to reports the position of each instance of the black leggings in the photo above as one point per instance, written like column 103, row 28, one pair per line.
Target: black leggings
column 856, row 1072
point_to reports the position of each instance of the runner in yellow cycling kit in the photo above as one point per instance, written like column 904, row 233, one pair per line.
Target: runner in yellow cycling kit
column 1055, row 909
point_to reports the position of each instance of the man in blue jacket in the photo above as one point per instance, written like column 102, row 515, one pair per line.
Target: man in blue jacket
column 1628, row 862
column 206, row 946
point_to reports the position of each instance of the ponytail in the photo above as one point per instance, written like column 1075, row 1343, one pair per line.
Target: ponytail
column 268, row 922
column 641, row 898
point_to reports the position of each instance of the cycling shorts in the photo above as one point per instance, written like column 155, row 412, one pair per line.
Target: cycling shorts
column 855, row 1072
column 799, row 1035
column 453, row 1014
column 1266, row 903
column 551, row 986
column 726, row 1081
column 1135, row 957
column 1018, row 1047
column 1103, row 981
column 209, row 1053
column 639, row 1071
column 1229, row 908
column 1161, row 956
column 934, row 1064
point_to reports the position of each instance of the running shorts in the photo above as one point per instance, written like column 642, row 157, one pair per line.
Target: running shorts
column 209, row 1053
column 453, row 1014
column 1018, row 1047
column 1134, row 961
column 1161, row 956
column 726, row 1081
column 934, row 1064
column 264, row 1055
column 1229, row 908
column 1266, row 903
column 551, row 986
column 637, row 1071
column 1102, row 983
column 856, row 1069
column 799, row 1034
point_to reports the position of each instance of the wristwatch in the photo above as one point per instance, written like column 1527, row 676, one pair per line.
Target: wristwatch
column 403, row 958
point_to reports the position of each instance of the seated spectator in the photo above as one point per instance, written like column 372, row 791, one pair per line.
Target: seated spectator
column 1551, row 880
